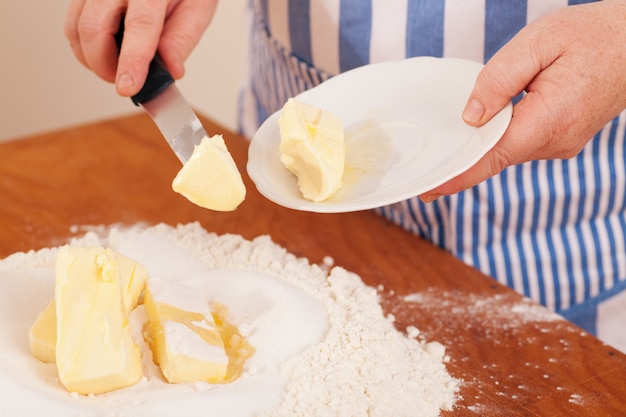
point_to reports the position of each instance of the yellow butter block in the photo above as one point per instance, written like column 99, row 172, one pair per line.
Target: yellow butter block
column 95, row 352
column 312, row 147
column 210, row 178
column 43, row 333
column 133, row 278
column 182, row 334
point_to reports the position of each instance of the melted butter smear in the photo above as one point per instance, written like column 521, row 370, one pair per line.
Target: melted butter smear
column 236, row 346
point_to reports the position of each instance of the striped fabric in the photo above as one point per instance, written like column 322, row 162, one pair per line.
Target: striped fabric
column 554, row 231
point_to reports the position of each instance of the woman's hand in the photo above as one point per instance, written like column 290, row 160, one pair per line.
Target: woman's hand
column 572, row 65
column 171, row 27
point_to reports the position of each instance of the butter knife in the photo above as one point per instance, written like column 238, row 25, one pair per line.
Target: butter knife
column 167, row 107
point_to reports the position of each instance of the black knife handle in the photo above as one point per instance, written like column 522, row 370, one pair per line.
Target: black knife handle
column 158, row 78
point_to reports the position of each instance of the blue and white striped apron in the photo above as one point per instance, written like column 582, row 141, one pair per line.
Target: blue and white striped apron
column 553, row 230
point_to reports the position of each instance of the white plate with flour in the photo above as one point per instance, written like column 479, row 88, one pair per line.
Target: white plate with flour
column 403, row 130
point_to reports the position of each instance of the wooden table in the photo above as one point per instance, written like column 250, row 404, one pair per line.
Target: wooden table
column 514, row 360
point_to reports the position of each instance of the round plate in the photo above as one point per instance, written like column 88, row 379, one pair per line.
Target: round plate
column 404, row 134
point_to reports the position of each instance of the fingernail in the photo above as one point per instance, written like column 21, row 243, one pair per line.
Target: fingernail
column 429, row 198
column 125, row 82
column 474, row 111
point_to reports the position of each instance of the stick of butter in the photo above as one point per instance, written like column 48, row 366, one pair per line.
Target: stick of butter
column 182, row 334
column 43, row 333
column 312, row 147
column 210, row 178
column 95, row 352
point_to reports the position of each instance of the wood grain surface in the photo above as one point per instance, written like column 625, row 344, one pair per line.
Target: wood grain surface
column 514, row 357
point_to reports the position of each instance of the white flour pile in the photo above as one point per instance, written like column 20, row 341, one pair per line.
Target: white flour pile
column 323, row 344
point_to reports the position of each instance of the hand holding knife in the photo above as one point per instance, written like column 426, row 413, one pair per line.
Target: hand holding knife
column 209, row 176
column 162, row 100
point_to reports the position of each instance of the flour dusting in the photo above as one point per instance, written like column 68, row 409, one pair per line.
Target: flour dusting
column 323, row 344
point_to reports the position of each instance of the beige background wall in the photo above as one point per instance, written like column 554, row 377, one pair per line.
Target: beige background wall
column 43, row 87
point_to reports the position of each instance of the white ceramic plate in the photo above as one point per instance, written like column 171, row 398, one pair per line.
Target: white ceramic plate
column 403, row 128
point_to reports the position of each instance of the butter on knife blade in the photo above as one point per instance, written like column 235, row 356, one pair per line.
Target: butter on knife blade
column 212, row 179
column 209, row 177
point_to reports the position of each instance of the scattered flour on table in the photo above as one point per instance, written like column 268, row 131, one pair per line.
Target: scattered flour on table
column 508, row 323
column 499, row 311
column 323, row 344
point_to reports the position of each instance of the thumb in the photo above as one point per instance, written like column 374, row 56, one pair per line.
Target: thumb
column 504, row 76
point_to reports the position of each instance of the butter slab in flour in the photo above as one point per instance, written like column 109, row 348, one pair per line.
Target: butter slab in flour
column 182, row 334
column 43, row 333
column 95, row 352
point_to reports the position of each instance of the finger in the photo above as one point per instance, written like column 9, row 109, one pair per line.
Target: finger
column 71, row 28
column 504, row 76
column 182, row 32
column 143, row 24
column 96, row 26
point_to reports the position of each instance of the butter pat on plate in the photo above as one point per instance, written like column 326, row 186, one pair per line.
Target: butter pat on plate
column 210, row 178
column 182, row 334
column 95, row 352
column 312, row 147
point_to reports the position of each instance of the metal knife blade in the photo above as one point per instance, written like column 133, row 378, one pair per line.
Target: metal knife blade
column 161, row 99
column 176, row 121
